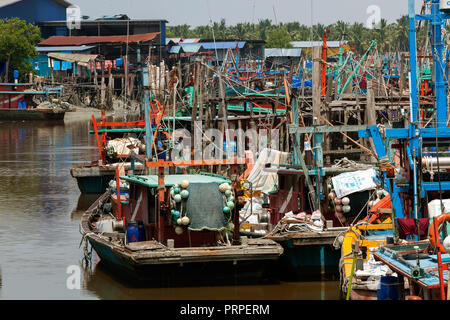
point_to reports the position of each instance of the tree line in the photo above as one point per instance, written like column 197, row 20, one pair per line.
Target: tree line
column 389, row 36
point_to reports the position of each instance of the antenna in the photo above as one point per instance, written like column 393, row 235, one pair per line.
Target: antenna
column 275, row 14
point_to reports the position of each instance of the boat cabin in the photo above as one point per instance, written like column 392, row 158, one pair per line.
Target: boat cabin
column 163, row 211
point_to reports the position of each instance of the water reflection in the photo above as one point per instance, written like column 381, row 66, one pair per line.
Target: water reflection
column 104, row 286
column 40, row 213
column 84, row 202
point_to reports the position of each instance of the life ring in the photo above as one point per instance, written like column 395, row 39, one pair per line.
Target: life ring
column 434, row 228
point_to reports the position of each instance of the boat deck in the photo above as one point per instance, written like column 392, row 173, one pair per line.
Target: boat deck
column 398, row 260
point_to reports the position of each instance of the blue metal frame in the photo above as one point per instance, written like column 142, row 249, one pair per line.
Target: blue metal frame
column 414, row 135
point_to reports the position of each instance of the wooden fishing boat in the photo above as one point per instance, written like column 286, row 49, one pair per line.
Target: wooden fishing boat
column 16, row 103
column 93, row 178
column 359, row 272
column 167, row 248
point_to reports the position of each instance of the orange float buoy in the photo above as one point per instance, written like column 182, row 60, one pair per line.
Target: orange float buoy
column 414, row 298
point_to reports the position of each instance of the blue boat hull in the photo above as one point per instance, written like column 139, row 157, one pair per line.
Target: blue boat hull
column 94, row 184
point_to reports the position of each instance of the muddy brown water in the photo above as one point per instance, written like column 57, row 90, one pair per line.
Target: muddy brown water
column 40, row 210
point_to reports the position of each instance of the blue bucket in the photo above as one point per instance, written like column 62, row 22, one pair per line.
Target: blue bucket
column 388, row 288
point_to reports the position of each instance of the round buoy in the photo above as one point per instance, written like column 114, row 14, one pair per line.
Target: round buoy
column 380, row 193
column 179, row 221
column 175, row 213
column 345, row 201
column 184, row 194
column 228, row 193
column 176, row 190
column 184, row 184
column 177, row 198
column 179, row 230
column 414, row 298
column 346, row 209
column 226, row 210
column 185, row 221
column 331, row 196
column 223, row 187
column 446, row 244
column 338, row 208
column 337, row 201
column 230, row 198
column 230, row 204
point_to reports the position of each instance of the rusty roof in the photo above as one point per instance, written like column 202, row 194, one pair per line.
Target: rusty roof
column 83, row 40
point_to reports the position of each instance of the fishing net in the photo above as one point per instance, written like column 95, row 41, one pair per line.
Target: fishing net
column 205, row 207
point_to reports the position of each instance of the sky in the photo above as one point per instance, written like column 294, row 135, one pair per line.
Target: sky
column 200, row 12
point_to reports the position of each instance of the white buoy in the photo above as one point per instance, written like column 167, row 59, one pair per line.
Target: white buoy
column 223, row 187
column 179, row 230
column 177, row 198
column 185, row 221
column 346, row 209
column 446, row 244
column 380, row 193
column 345, row 201
column 179, row 221
column 184, row 184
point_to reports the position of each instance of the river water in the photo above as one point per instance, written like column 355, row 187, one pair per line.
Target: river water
column 40, row 210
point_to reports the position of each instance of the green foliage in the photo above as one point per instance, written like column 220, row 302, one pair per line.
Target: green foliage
column 17, row 44
column 278, row 38
column 389, row 37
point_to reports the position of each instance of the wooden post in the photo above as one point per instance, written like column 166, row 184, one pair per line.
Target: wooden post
column 371, row 116
column 119, row 203
column 161, row 190
column 102, row 87
column 316, row 79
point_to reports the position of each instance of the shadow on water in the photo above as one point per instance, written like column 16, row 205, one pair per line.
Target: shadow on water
column 104, row 286
column 84, row 202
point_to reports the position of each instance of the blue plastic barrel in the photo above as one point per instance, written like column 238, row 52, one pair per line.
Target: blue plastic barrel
column 132, row 232
column 388, row 288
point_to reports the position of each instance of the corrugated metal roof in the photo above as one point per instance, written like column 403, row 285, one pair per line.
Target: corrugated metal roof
column 81, row 40
column 175, row 49
column 190, row 40
column 309, row 44
column 173, row 40
column 4, row 3
column 63, row 48
column 82, row 59
column 282, row 52
column 191, row 47
column 223, row 45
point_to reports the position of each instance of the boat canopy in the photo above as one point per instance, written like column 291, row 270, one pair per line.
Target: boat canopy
column 172, row 179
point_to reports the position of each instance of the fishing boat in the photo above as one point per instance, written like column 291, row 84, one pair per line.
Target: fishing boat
column 16, row 103
column 360, row 274
column 176, row 228
column 114, row 150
